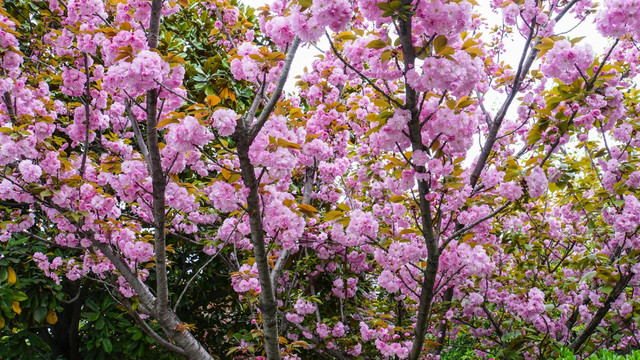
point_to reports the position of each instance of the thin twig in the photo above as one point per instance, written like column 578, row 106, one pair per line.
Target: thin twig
column 376, row 87
column 175, row 307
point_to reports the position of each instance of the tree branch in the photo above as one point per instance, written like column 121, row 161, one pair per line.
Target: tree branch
column 149, row 331
column 271, row 104
column 472, row 225
column 157, row 176
column 373, row 85
column 87, row 108
column 138, row 134
column 306, row 199
column 600, row 314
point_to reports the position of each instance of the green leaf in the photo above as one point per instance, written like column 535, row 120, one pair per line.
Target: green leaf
column 332, row 215
column 107, row 345
column 19, row 296
column 376, row 44
column 39, row 314
column 347, row 35
column 588, row 276
column 93, row 316
column 533, row 136
column 440, row 43
column 166, row 122
column 544, row 46
column 607, row 289
column 576, row 40
column 385, row 55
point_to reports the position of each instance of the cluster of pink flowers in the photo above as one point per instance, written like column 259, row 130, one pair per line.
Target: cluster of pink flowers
column 42, row 261
column 528, row 308
column 317, row 150
column 284, row 225
column 301, row 308
column 224, row 196
column 186, row 135
column 400, row 254
column 136, row 39
column 280, row 160
column 511, row 190
column 73, row 82
column 224, row 120
column 389, row 343
column 371, row 11
column 357, row 52
column 310, row 25
column 466, row 261
column 537, row 182
column 619, row 17
column 10, row 60
column 147, row 69
column 629, row 220
column 333, row 13
column 30, row 172
column 461, row 75
column 138, row 251
column 389, row 281
column 510, row 13
column 563, row 59
column 339, row 289
column 457, row 129
column 246, row 279
column 492, row 177
column 363, row 226
column 527, row 9
column 178, row 197
column 244, row 67
column 393, row 132
column 85, row 11
column 235, row 232
column 444, row 17
column 279, row 29
column 304, row 307
column 132, row 68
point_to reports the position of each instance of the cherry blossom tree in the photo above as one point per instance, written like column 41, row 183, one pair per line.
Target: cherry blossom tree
column 415, row 186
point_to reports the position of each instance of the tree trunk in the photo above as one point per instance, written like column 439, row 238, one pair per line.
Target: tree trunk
column 65, row 332
column 268, row 305
column 182, row 337
column 415, row 134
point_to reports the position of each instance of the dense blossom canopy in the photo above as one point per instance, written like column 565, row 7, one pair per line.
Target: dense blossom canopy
column 415, row 186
